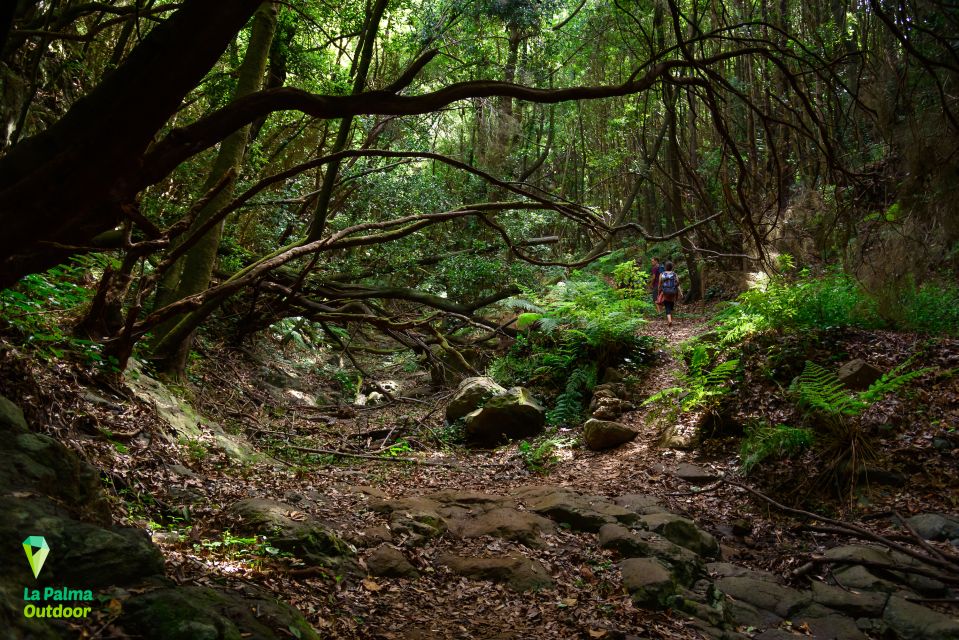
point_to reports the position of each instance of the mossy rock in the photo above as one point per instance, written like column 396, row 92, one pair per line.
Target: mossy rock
column 290, row 530
column 202, row 613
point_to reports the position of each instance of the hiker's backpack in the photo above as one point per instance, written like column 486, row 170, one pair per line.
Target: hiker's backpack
column 670, row 282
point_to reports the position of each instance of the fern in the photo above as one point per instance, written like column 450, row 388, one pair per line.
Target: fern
column 525, row 305
column 765, row 441
column 571, row 403
column 891, row 382
column 819, row 388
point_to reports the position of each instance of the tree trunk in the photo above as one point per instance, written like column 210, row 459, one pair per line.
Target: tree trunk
column 198, row 263
column 70, row 182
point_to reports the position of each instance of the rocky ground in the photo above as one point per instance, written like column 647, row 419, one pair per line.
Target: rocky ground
column 227, row 530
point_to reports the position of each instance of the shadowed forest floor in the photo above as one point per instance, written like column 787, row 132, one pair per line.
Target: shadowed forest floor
column 181, row 491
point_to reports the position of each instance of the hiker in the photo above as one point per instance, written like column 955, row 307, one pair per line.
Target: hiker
column 669, row 291
column 655, row 271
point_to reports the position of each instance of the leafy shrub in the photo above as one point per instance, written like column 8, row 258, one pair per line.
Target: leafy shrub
column 764, row 441
column 808, row 302
column 932, row 307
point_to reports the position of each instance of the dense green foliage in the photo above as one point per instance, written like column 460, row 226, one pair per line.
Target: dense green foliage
column 572, row 332
column 835, row 299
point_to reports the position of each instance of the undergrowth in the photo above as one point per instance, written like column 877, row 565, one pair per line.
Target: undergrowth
column 38, row 310
column 571, row 333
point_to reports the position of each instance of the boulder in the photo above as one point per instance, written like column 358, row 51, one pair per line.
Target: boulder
column 390, row 562
column 11, row 417
column 639, row 503
column 291, row 530
column 686, row 566
column 824, row 623
column 648, row 581
column 766, row 595
column 509, row 416
column 580, row 512
column 935, row 526
column 683, row 532
column 599, row 435
column 506, row 523
column 516, row 570
column 471, row 394
column 202, row 613
column 858, row 374
column 916, row 622
column 853, row 603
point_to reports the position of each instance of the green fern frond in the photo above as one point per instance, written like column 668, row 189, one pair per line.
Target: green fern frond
column 821, row 389
column 571, row 403
column 663, row 395
column 721, row 373
column 891, row 382
column 525, row 305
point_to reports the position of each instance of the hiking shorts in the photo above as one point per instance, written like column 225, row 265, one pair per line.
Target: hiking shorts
column 669, row 305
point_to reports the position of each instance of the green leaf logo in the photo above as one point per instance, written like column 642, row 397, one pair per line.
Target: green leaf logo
column 37, row 550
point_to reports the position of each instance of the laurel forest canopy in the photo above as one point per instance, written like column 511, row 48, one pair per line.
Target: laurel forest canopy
column 403, row 165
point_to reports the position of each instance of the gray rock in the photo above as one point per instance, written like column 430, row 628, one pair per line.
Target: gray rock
column 770, row 596
column 746, row 615
column 828, row 625
column 912, row 621
column 584, row 513
column 858, row 374
column 11, row 417
column 868, row 604
column 609, row 408
column 388, row 562
column 503, row 522
column 693, row 474
column 599, row 435
column 683, row 532
column 516, row 570
column 639, row 503
column 509, row 416
column 935, row 526
column 648, row 581
column 686, row 565
column 857, row 577
column 470, row 396
column 729, row 570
